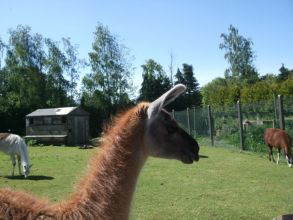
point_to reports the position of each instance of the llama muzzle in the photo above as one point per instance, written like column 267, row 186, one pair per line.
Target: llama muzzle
column 190, row 153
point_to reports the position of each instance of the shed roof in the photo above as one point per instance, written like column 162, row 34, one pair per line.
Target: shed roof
column 52, row 111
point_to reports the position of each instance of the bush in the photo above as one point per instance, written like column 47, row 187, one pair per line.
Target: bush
column 253, row 139
column 32, row 142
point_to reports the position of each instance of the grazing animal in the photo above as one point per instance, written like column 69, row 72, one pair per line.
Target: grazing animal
column 284, row 217
column 106, row 190
column 278, row 139
column 15, row 146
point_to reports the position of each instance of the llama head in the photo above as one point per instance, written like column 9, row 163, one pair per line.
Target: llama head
column 163, row 137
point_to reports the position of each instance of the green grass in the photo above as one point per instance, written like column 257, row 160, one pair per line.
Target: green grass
column 225, row 185
column 53, row 173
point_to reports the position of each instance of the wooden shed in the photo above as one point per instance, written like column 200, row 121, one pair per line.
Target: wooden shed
column 68, row 125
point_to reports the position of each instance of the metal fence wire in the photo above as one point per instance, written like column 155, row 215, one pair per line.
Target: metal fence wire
column 237, row 126
column 194, row 121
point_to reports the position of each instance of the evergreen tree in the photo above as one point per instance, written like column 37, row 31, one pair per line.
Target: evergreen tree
column 284, row 73
column 192, row 97
column 155, row 81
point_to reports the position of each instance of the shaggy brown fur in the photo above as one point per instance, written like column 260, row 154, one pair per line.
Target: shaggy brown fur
column 4, row 135
column 106, row 191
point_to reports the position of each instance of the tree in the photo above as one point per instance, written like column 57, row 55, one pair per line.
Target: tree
column 284, row 73
column 106, row 89
column 3, row 78
column 155, row 81
column 286, row 88
column 32, row 76
column 212, row 89
column 220, row 93
column 71, row 66
column 240, row 56
column 21, row 77
column 259, row 91
column 2, row 48
column 192, row 97
column 171, row 68
column 111, row 71
column 23, row 70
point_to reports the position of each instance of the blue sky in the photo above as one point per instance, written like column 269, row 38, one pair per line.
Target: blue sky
column 189, row 29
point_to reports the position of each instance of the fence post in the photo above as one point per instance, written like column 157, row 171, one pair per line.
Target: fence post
column 210, row 125
column 276, row 114
column 188, row 121
column 194, row 131
column 240, row 125
column 281, row 112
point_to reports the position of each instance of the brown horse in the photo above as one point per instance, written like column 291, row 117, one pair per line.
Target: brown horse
column 278, row 139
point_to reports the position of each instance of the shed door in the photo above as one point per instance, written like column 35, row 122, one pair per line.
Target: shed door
column 79, row 130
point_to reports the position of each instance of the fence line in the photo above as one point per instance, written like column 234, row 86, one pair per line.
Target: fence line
column 211, row 128
column 241, row 125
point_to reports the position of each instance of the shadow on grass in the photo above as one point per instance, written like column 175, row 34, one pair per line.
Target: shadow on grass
column 203, row 156
column 35, row 178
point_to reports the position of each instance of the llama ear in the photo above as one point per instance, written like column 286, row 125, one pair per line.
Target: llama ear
column 168, row 97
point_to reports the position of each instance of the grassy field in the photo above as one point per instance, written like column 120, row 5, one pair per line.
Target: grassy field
column 53, row 173
column 224, row 184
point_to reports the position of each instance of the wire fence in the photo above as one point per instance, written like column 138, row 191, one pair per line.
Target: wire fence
column 240, row 126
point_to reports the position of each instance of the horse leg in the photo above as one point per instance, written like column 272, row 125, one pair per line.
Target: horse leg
column 289, row 160
column 13, row 164
column 19, row 164
column 279, row 151
column 288, row 157
column 271, row 157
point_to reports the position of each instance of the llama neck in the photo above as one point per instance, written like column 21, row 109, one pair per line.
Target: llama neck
column 106, row 192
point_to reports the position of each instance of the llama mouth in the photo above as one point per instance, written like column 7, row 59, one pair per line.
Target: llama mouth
column 186, row 161
column 188, row 158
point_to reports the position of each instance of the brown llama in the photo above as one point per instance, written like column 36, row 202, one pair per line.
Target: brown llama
column 106, row 190
column 284, row 217
column 278, row 139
